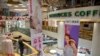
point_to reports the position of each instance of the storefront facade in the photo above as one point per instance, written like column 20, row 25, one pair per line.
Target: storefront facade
column 84, row 14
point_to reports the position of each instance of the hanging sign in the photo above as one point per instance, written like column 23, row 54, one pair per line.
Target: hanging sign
column 84, row 12
column 36, row 25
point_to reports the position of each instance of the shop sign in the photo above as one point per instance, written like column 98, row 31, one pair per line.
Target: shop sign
column 78, row 12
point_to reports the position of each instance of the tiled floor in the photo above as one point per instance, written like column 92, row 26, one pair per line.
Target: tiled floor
column 15, row 54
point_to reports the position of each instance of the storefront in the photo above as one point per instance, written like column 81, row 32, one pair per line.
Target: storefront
column 89, row 24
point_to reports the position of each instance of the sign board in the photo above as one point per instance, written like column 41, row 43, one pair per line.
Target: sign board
column 83, row 12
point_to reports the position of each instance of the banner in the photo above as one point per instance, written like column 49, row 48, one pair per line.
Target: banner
column 72, row 27
column 35, row 16
column 36, row 25
column 37, row 42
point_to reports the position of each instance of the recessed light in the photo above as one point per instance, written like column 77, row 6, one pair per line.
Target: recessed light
column 20, row 9
column 27, row 4
column 20, row 4
column 15, row 0
column 9, row 4
column 53, row 51
column 16, row 6
column 23, row 6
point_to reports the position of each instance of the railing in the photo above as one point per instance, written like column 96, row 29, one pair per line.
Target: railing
column 33, row 51
column 50, row 28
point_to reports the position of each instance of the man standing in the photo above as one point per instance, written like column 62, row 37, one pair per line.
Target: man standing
column 21, row 45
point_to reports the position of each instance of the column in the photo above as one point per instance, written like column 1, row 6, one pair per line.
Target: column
column 61, row 35
column 96, row 40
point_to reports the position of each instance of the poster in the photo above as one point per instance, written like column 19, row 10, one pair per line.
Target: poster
column 72, row 27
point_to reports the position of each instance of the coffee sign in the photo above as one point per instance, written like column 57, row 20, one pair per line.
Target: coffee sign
column 78, row 12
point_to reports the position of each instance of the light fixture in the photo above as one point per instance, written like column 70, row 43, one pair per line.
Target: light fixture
column 55, row 9
column 20, row 4
column 23, row 6
column 27, row 4
column 61, row 22
column 53, row 51
column 20, row 9
column 16, row 6
column 9, row 4
column 44, row 9
column 15, row 0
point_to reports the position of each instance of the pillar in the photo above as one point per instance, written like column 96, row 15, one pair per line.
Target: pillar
column 96, row 40
column 61, row 35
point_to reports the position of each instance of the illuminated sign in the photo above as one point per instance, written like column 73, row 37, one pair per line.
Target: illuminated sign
column 77, row 12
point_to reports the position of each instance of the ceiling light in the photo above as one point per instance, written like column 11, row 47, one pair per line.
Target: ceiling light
column 9, row 4
column 15, row 0
column 20, row 9
column 20, row 4
column 53, row 51
column 44, row 9
column 23, row 6
column 27, row 4
column 16, row 6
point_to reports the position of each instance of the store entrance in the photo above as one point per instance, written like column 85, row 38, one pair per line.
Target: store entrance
column 88, row 34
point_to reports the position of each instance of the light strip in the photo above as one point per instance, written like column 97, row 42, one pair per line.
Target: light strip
column 23, row 6
column 9, row 4
column 20, row 4
column 16, row 6
column 20, row 9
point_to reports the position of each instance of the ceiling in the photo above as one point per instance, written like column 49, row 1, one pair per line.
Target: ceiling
column 20, row 6
column 14, row 5
column 47, row 5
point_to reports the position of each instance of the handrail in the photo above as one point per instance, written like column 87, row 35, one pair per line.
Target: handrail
column 34, row 51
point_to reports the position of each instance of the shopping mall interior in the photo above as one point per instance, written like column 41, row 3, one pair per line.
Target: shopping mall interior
column 50, row 27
